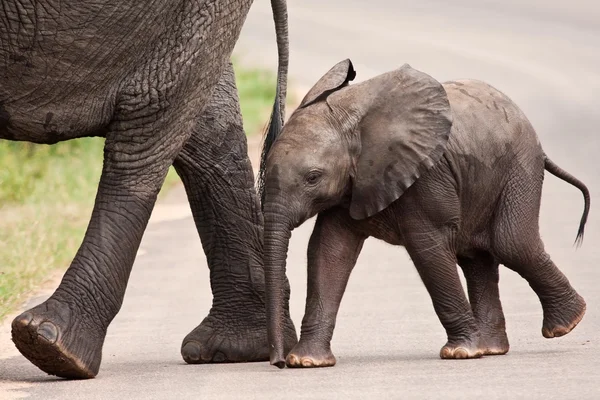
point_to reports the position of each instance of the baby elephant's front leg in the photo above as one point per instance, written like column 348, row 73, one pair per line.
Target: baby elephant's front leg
column 332, row 253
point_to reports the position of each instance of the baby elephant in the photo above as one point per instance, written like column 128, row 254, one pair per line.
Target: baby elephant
column 451, row 171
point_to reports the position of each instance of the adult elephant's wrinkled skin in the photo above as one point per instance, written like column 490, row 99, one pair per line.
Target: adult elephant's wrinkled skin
column 154, row 79
column 453, row 172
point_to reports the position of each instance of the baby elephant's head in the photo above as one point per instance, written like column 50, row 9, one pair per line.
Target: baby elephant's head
column 309, row 166
column 360, row 146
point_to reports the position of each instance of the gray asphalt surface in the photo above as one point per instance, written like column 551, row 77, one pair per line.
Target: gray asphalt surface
column 543, row 54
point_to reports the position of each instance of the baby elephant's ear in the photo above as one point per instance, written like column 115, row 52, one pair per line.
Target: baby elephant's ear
column 336, row 78
column 403, row 131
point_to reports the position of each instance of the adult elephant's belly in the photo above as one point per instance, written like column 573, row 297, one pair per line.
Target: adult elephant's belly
column 57, row 110
column 62, row 69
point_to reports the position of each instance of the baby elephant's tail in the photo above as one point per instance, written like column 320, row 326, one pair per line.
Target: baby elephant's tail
column 557, row 171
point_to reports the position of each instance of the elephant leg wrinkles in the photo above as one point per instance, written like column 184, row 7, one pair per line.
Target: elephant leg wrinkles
column 64, row 335
column 519, row 247
column 432, row 253
column 430, row 232
column 332, row 253
column 482, row 276
column 218, row 178
column 150, row 114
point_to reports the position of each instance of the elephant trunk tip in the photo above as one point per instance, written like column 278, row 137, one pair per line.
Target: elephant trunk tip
column 277, row 358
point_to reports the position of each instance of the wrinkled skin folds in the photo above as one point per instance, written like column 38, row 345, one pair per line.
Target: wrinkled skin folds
column 154, row 79
column 453, row 172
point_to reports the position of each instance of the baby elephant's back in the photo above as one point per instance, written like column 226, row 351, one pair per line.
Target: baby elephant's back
column 492, row 147
column 489, row 128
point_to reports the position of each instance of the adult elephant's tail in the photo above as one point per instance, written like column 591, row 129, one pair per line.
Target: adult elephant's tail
column 278, row 115
column 557, row 171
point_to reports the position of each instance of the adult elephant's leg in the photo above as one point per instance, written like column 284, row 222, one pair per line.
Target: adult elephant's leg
column 64, row 335
column 219, row 182
column 152, row 119
column 482, row 276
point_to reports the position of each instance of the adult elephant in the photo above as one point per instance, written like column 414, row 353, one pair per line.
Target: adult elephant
column 154, row 79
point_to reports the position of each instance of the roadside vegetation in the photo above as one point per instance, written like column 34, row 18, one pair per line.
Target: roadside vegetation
column 47, row 194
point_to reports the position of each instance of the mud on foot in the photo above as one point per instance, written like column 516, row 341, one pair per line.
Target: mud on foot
column 562, row 319
column 46, row 336
column 231, row 340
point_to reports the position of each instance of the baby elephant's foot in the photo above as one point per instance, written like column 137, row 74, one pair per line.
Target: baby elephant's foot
column 310, row 355
column 461, row 349
column 494, row 345
column 231, row 339
column 563, row 315
column 55, row 340
column 493, row 340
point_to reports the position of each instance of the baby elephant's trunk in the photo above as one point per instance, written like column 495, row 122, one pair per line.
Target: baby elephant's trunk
column 277, row 237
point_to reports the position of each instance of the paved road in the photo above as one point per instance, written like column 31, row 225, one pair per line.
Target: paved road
column 546, row 56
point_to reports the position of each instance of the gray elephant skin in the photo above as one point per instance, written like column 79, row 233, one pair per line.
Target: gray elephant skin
column 453, row 172
column 154, row 79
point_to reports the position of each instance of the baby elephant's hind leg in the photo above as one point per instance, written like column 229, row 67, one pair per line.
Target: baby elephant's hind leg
column 432, row 254
column 563, row 306
column 482, row 276
column 517, row 245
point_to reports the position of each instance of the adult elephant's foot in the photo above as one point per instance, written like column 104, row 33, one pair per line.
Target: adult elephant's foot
column 563, row 315
column 231, row 339
column 310, row 355
column 462, row 349
column 58, row 342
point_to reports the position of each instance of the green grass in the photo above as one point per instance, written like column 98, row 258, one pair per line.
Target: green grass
column 258, row 85
column 47, row 194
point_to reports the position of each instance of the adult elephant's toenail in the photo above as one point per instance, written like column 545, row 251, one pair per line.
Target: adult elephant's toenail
column 23, row 319
column 191, row 352
column 219, row 357
column 48, row 331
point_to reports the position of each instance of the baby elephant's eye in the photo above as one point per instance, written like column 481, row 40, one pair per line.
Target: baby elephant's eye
column 313, row 177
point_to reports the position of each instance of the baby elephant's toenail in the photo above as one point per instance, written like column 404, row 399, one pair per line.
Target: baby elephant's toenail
column 547, row 333
column 461, row 353
column 307, row 362
column 446, row 352
column 191, row 352
column 292, row 360
column 48, row 331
